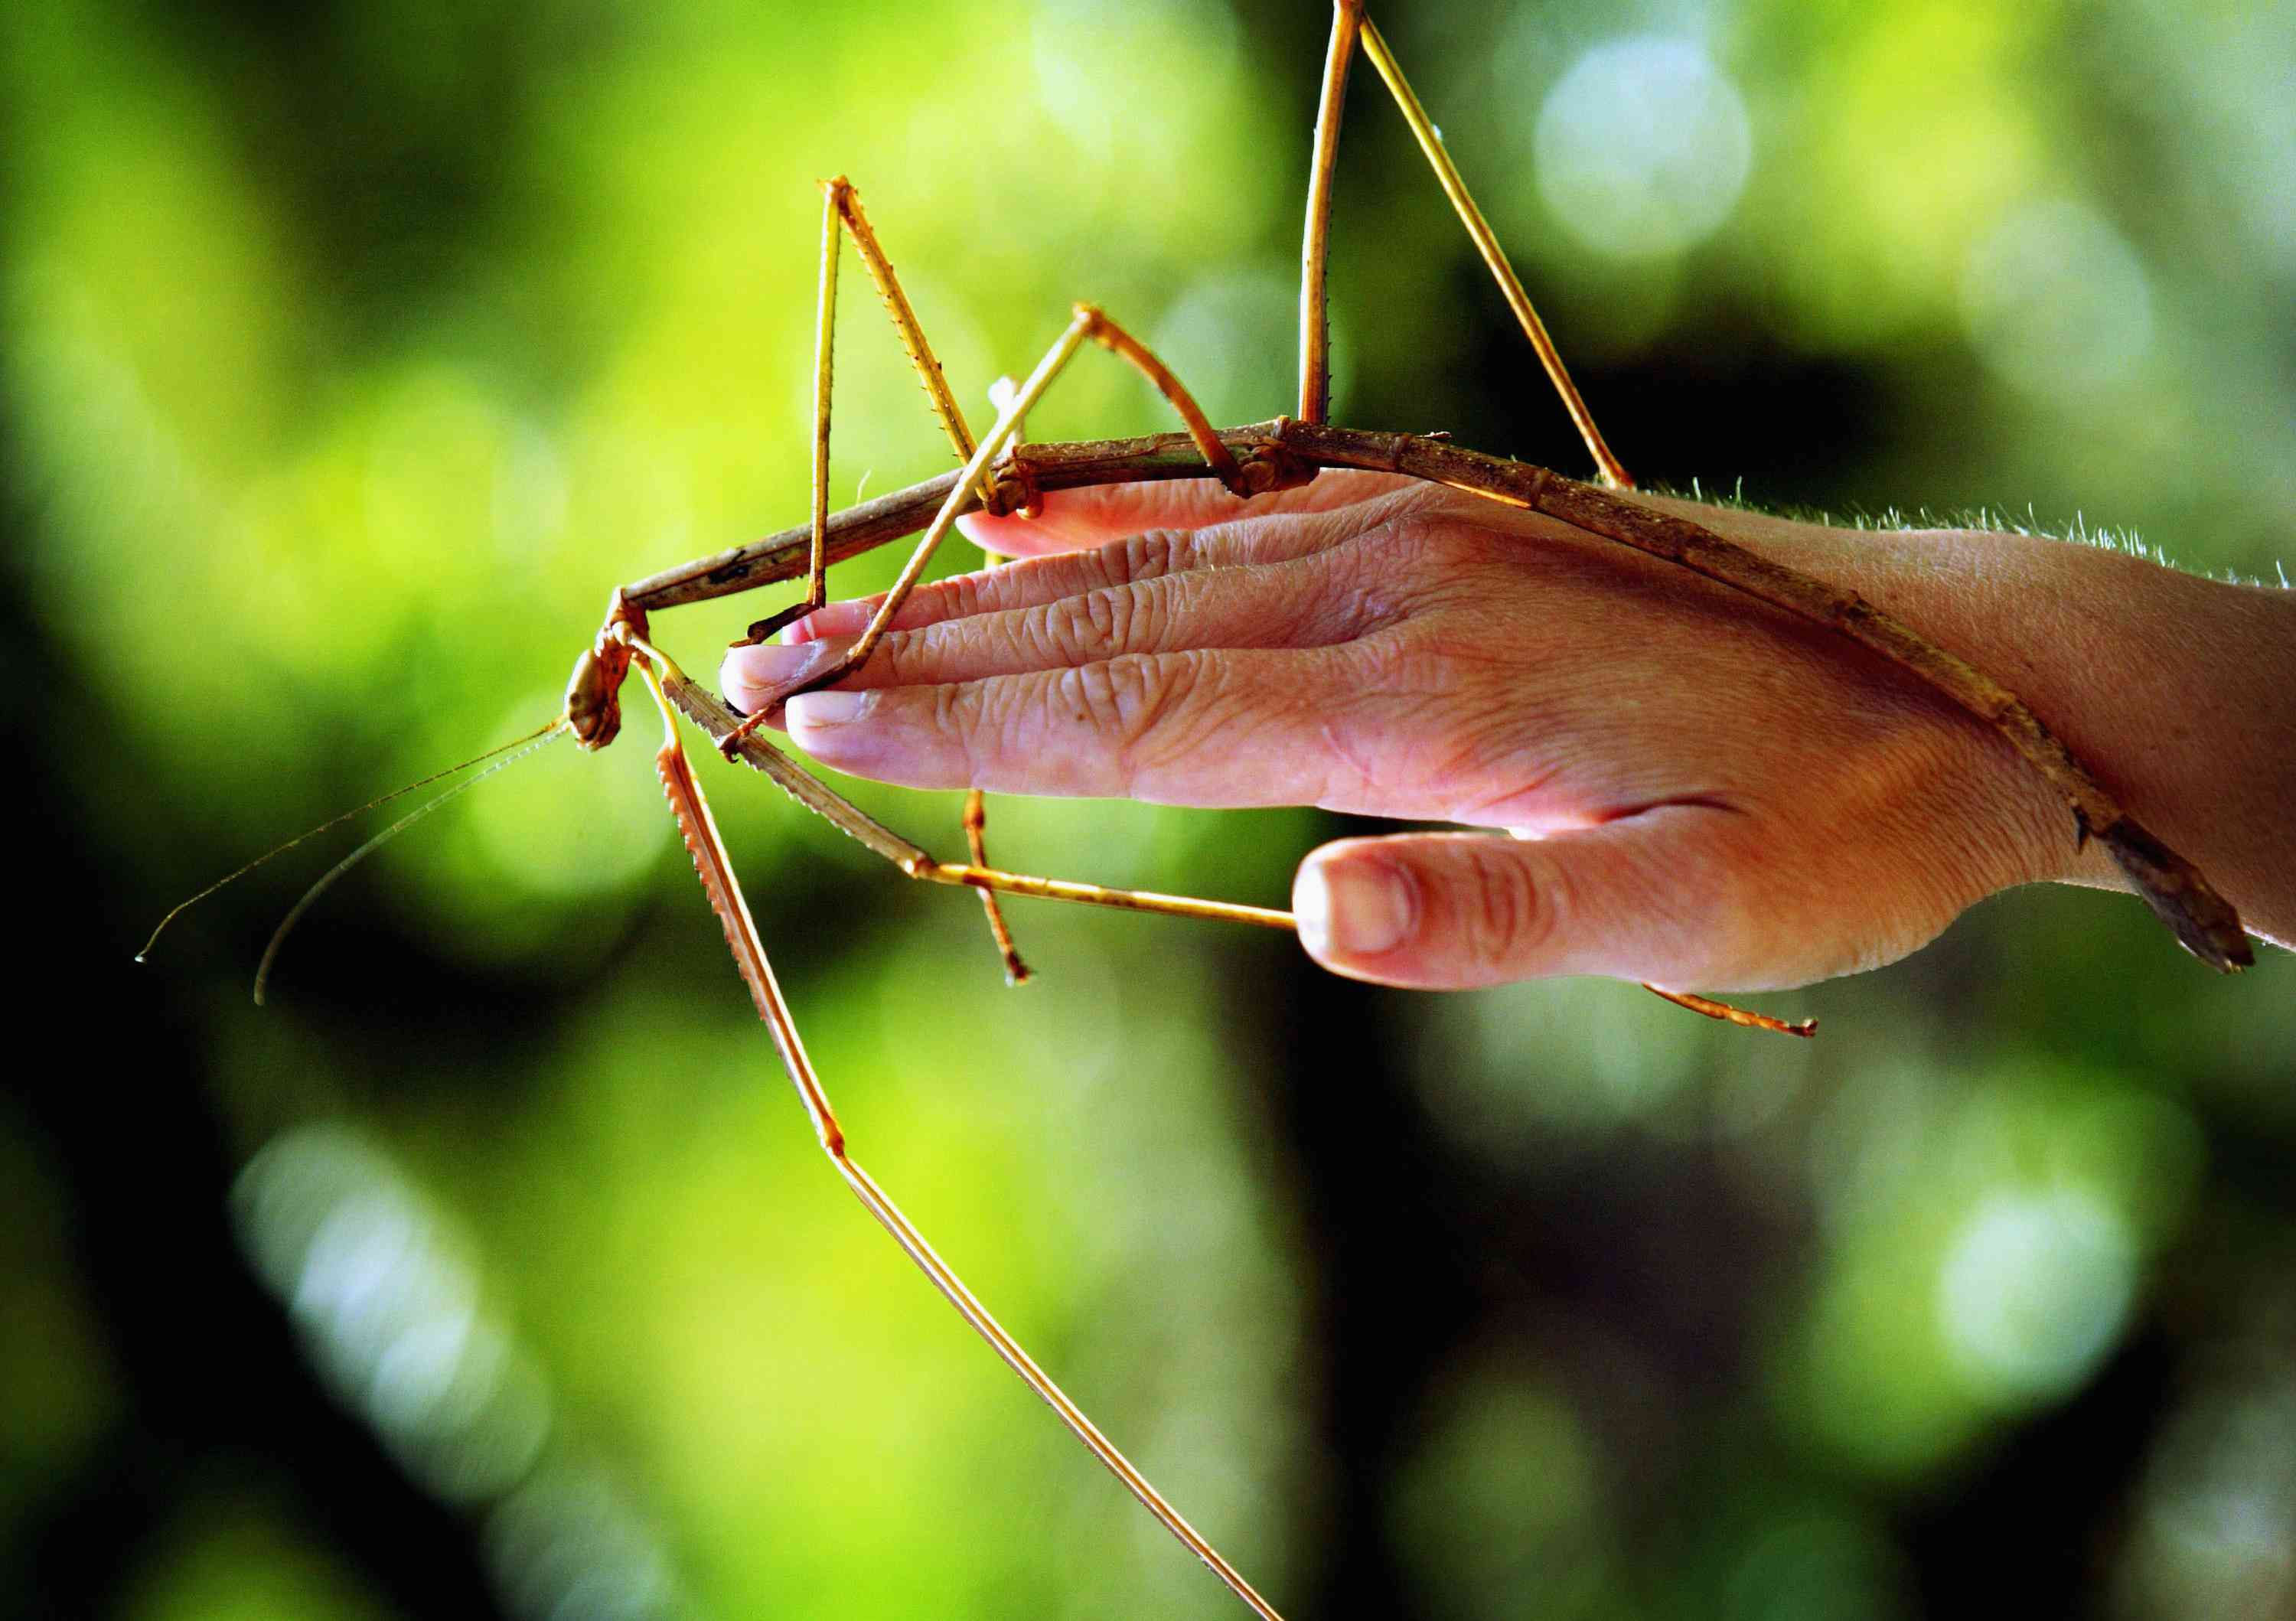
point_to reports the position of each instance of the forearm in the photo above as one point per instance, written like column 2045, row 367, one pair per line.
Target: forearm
column 2180, row 692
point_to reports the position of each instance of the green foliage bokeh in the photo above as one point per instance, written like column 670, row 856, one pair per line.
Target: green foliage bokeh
column 353, row 357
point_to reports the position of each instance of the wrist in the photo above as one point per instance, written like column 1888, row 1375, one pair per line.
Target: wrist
column 2178, row 694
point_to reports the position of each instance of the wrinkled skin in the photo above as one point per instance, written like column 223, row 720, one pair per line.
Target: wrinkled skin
column 1712, row 794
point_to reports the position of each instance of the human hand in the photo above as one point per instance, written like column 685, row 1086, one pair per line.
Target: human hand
column 1713, row 793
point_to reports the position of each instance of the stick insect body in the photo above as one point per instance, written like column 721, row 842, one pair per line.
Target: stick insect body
column 1000, row 474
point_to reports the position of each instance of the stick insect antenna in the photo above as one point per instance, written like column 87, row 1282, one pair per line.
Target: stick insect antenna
column 539, row 735
column 524, row 746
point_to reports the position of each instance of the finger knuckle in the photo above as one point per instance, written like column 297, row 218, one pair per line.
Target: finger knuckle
column 966, row 594
column 1104, row 624
column 957, row 715
column 1083, row 696
column 1155, row 552
column 1102, row 619
column 1506, row 914
column 1145, row 615
column 1077, row 629
column 1133, row 702
column 900, row 656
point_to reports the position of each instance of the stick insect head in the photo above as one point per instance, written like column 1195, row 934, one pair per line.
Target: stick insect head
column 593, row 704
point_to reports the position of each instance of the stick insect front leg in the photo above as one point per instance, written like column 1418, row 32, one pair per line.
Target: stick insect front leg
column 717, row 719
column 716, row 870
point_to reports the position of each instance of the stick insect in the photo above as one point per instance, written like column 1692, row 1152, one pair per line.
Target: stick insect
column 1000, row 473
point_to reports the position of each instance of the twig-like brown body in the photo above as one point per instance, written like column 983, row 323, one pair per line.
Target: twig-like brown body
column 1281, row 453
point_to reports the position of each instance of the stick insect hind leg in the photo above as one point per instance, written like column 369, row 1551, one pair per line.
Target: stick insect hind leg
column 715, row 870
column 1350, row 27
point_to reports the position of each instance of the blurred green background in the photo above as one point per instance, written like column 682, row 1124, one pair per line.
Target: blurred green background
column 353, row 352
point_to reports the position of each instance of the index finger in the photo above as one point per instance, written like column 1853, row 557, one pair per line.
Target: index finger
column 1095, row 516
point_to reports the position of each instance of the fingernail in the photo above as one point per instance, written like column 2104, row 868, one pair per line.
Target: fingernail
column 846, row 618
column 752, row 673
column 997, row 536
column 1357, row 908
column 814, row 711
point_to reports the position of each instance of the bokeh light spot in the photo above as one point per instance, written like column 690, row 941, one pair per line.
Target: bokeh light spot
column 567, row 1546
column 2055, row 300
column 1503, row 1497
column 2215, row 1530
column 1643, row 147
column 2033, row 1291
column 390, row 1312
column 1818, row 1564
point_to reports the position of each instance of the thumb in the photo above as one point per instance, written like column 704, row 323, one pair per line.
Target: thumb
column 1453, row 911
column 1099, row 513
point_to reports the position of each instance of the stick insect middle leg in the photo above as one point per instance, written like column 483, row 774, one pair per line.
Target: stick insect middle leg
column 1350, row 27
column 716, row 870
column 975, row 816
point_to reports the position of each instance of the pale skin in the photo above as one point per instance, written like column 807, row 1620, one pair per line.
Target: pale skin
column 1715, row 795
